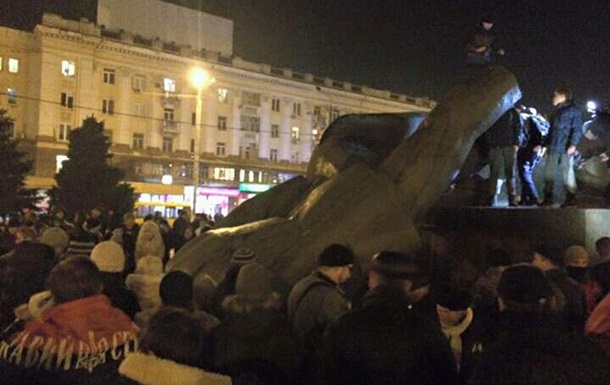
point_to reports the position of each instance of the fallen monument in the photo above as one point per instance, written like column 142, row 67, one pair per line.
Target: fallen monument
column 369, row 181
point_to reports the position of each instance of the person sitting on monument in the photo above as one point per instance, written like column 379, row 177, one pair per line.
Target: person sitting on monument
column 483, row 47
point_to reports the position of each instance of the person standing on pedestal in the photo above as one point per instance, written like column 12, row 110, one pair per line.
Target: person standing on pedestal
column 564, row 135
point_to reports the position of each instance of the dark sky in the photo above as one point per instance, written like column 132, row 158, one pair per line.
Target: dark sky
column 409, row 46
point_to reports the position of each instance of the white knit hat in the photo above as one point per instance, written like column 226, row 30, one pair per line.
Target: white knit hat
column 109, row 257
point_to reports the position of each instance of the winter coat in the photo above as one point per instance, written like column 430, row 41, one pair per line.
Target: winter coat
column 78, row 342
column 146, row 288
column 538, row 349
column 255, row 335
column 120, row 296
column 146, row 369
column 508, row 130
column 566, row 128
column 387, row 343
column 130, row 237
column 313, row 302
column 570, row 297
column 598, row 325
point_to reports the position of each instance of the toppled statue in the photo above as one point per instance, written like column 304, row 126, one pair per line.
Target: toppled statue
column 369, row 181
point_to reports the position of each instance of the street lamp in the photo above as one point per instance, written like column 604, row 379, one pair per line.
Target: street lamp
column 200, row 79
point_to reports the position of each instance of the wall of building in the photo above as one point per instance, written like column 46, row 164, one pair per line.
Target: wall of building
column 169, row 22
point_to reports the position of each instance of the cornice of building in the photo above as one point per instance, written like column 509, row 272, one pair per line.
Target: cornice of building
column 86, row 32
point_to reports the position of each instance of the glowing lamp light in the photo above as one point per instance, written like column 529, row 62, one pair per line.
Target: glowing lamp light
column 591, row 105
column 167, row 179
column 200, row 78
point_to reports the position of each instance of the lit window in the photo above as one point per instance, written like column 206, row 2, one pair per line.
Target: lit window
column 275, row 105
column 108, row 106
column 138, row 141
column 59, row 160
column 295, row 135
column 223, row 95
column 169, row 85
column 66, row 100
column 11, row 95
column 13, row 65
column 221, row 173
column 221, row 149
column 1, row 62
column 109, row 76
column 68, row 68
column 273, row 154
column 137, row 83
column 222, row 123
column 64, row 131
column 168, row 144
column 275, row 131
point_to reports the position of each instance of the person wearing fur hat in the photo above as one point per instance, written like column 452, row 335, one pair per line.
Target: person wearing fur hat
column 532, row 344
column 110, row 260
column 81, row 339
column 253, row 334
column 387, row 341
column 570, row 297
column 145, row 282
column 150, row 241
column 170, row 353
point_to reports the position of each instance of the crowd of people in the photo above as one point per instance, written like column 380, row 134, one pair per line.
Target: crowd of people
column 110, row 313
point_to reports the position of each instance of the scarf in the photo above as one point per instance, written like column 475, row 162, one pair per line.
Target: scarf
column 453, row 333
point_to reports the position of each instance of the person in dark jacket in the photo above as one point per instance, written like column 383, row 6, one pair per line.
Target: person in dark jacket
column 254, row 335
column 569, row 295
column 482, row 47
column 108, row 256
column 532, row 346
column 170, row 353
column 386, row 341
column 564, row 135
column 130, row 231
column 23, row 274
column 536, row 128
column 503, row 140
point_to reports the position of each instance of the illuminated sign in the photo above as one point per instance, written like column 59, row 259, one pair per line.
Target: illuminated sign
column 254, row 187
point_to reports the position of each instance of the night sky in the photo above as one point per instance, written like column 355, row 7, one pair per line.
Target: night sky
column 409, row 46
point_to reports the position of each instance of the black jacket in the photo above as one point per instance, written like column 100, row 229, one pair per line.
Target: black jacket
column 387, row 343
column 566, row 127
column 507, row 131
column 538, row 349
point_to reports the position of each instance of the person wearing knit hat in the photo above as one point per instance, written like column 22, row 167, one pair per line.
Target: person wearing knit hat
column 176, row 290
column 254, row 330
column 317, row 299
column 357, row 346
column 569, row 295
column 57, row 238
column 531, row 345
column 109, row 257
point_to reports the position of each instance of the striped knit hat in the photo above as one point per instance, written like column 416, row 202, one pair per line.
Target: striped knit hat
column 243, row 256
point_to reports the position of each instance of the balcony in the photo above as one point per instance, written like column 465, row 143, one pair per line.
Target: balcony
column 250, row 137
column 169, row 127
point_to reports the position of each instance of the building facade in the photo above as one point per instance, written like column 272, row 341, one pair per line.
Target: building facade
column 259, row 124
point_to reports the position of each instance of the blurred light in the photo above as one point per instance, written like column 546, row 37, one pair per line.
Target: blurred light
column 591, row 106
column 200, row 78
column 167, row 179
